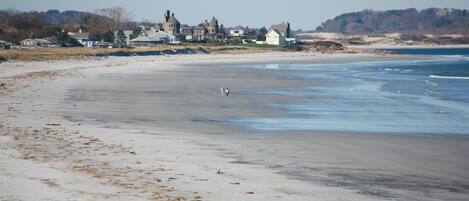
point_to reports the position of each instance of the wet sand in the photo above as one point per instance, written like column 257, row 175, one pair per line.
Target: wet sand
column 149, row 129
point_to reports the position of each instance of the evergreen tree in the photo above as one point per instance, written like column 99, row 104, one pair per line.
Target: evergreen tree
column 261, row 36
column 120, row 39
column 62, row 38
column 108, row 37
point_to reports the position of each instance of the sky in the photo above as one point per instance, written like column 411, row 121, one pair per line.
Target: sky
column 302, row 14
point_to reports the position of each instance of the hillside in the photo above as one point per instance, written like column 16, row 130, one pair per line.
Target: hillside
column 70, row 16
column 428, row 21
column 16, row 26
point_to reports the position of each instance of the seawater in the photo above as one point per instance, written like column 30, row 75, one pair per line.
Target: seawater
column 418, row 96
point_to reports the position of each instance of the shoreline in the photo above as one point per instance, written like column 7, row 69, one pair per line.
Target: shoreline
column 159, row 162
column 426, row 46
column 63, row 54
column 105, row 176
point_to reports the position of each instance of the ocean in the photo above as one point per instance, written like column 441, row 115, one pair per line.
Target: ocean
column 423, row 96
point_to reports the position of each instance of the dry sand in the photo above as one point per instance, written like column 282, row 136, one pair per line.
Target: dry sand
column 59, row 141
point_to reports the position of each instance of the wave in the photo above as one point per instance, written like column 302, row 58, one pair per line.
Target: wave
column 431, row 83
column 392, row 69
column 449, row 77
column 456, row 56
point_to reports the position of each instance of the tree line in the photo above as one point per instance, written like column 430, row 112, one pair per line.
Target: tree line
column 101, row 24
column 411, row 21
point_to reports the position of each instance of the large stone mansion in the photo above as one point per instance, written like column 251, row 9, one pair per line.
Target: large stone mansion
column 204, row 31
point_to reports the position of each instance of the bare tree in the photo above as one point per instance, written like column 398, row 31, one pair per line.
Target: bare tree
column 118, row 15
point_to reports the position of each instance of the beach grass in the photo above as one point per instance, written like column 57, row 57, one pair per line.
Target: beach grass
column 42, row 54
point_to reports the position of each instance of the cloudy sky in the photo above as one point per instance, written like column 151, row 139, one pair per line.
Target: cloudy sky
column 302, row 14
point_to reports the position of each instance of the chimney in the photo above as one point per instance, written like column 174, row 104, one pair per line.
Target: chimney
column 168, row 13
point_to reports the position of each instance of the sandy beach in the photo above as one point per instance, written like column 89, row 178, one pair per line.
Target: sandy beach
column 144, row 128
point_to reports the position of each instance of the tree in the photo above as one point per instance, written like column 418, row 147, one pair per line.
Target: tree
column 62, row 37
column 108, row 37
column 262, row 32
column 120, row 39
column 222, row 29
column 118, row 15
column 97, row 26
column 252, row 34
column 136, row 32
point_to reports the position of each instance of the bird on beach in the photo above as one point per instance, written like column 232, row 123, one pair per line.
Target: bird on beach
column 225, row 91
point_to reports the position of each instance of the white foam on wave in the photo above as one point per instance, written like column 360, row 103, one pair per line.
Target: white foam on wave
column 392, row 69
column 431, row 83
column 449, row 77
column 455, row 56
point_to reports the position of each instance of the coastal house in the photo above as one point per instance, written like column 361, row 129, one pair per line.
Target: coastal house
column 283, row 28
column 213, row 27
column 81, row 37
column 6, row 45
column 274, row 37
column 152, row 40
column 39, row 42
column 285, row 37
column 148, row 30
column 209, row 31
column 187, row 32
column 89, row 44
column 200, row 32
column 99, row 44
column 168, row 32
column 238, row 32
column 215, row 31
column 171, row 24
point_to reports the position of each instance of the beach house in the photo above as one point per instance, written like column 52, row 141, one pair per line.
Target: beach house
column 238, row 32
column 39, row 42
column 274, row 37
column 285, row 36
column 160, row 37
column 81, row 37
column 6, row 45
column 283, row 28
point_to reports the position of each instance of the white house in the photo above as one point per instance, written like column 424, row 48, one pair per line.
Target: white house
column 81, row 37
column 274, row 37
column 97, row 44
column 238, row 31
